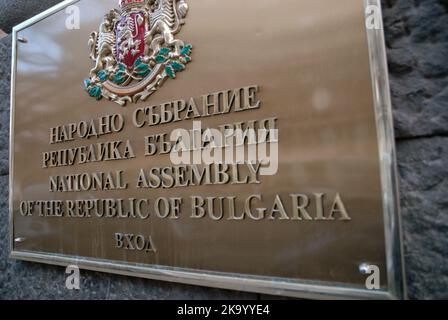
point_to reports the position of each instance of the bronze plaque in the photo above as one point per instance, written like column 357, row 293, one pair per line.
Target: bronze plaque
column 117, row 104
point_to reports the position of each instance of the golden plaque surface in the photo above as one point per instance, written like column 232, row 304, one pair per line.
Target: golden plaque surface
column 94, row 114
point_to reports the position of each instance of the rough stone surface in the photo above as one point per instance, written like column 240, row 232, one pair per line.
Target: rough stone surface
column 417, row 48
column 423, row 169
column 17, row 11
column 417, row 42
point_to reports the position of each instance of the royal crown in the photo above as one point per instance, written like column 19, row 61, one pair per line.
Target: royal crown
column 127, row 4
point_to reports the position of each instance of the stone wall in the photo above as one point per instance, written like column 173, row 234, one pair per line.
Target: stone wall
column 13, row 12
column 417, row 44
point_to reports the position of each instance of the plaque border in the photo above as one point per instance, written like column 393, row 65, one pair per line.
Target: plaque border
column 396, row 286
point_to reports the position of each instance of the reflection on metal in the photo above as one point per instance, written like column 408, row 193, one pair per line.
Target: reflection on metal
column 328, row 273
column 364, row 268
column 386, row 139
column 19, row 240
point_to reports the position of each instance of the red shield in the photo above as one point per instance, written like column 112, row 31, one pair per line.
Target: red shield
column 130, row 32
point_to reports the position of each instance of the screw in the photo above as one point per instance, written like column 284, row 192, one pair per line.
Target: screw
column 364, row 268
column 19, row 240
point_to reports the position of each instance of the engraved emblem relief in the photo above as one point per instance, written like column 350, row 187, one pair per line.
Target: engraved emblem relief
column 135, row 50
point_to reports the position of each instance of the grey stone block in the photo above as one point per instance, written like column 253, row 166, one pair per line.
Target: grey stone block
column 5, row 73
column 17, row 11
column 423, row 170
column 417, row 41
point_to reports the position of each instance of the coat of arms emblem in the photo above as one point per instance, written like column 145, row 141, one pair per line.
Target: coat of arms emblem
column 135, row 50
